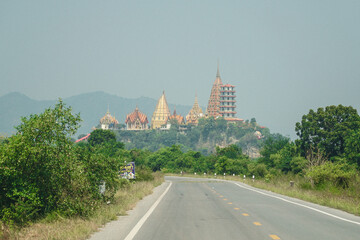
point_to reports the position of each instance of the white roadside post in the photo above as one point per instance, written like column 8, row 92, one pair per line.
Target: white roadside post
column 244, row 177
column 253, row 178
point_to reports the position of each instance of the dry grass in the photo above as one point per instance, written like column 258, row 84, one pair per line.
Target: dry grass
column 78, row 228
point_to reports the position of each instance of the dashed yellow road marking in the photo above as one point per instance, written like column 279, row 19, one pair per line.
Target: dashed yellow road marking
column 221, row 196
column 245, row 214
column 257, row 223
column 225, row 199
column 229, row 202
column 274, row 237
column 237, row 208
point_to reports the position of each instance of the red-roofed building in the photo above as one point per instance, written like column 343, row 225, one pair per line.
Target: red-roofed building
column 180, row 119
column 136, row 121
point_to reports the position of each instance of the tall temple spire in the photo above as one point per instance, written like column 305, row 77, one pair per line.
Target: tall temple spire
column 161, row 113
column 213, row 109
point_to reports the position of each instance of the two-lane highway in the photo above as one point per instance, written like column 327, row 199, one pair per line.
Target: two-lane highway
column 213, row 209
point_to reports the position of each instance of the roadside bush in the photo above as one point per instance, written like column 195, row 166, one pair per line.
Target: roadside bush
column 144, row 174
column 41, row 172
column 329, row 173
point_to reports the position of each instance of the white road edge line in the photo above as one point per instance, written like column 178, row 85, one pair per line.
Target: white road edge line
column 137, row 227
column 298, row 204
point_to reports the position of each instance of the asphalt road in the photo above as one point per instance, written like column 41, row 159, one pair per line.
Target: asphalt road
column 189, row 208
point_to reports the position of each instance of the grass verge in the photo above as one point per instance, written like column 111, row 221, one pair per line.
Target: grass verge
column 79, row 228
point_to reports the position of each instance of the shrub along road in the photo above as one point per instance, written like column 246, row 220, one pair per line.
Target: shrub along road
column 214, row 209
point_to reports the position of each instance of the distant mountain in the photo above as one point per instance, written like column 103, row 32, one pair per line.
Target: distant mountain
column 91, row 106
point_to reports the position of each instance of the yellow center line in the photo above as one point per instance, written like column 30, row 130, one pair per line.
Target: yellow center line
column 229, row 202
column 274, row 237
column 221, row 196
column 257, row 223
column 237, row 208
column 245, row 214
column 225, row 199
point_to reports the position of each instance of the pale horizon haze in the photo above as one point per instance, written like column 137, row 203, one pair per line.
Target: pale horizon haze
column 284, row 57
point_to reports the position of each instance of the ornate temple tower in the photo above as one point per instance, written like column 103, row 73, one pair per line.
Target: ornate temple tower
column 194, row 114
column 161, row 113
column 213, row 108
column 136, row 120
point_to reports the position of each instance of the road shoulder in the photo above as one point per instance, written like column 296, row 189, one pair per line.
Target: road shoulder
column 120, row 228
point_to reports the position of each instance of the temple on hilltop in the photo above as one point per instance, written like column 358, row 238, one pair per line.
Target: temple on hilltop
column 222, row 101
column 161, row 113
column 195, row 114
column 179, row 119
column 136, row 120
column 108, row 121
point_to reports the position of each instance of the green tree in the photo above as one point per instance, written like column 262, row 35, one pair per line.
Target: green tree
column 352, row 147
column 100, row 136
column 326, row 130
column 272, row 144
column 38, row 168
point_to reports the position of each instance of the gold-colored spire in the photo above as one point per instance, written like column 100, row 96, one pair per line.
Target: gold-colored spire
column 161, row 113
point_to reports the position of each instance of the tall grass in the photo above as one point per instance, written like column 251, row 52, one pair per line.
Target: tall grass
column 56, row 227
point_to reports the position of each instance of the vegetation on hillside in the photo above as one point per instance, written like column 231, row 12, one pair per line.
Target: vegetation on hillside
column 204, row 138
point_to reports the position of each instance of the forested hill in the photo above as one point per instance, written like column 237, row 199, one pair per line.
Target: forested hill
column 91, row 106
column 205, row 137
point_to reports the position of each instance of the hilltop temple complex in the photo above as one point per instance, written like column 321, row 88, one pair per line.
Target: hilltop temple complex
column 221, row 104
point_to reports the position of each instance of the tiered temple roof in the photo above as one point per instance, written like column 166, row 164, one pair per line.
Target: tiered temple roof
column 108, row 121
column 136, row 120
column 161, row 113
column 214, row 100
column 180, row 119
column 194, row 114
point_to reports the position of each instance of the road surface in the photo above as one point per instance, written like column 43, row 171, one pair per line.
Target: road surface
column 191, row 208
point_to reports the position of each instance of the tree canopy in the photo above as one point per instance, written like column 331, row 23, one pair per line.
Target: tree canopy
column 326, row 130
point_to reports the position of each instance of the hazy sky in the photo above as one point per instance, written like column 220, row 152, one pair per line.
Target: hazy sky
column 284, row 57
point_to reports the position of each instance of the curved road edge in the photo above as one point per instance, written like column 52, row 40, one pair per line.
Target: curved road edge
column 121, row 228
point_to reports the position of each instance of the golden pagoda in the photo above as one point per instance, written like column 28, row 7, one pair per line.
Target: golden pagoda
column 194, row 114
column 161, row 113
column 213, row 108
